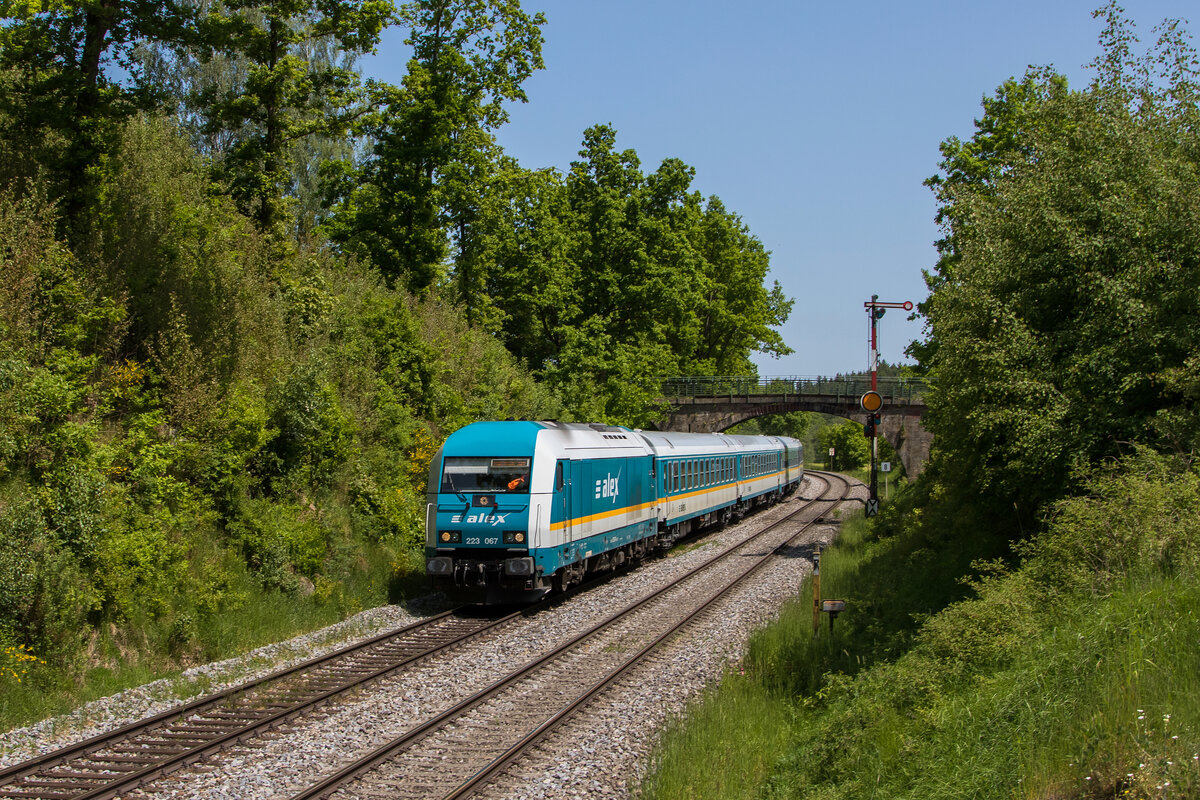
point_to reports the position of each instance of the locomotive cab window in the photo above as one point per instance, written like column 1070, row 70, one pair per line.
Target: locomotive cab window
column 492, row 475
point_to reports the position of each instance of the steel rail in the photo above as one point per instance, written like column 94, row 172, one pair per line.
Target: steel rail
column 11, row 785
column 382, row 754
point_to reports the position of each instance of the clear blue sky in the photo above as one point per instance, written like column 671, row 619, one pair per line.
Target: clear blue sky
column 815, row 122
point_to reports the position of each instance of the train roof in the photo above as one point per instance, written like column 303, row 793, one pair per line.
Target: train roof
column 519, row 437
column 666, row 443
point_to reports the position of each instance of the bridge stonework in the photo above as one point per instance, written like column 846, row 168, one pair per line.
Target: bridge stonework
column 900, row 424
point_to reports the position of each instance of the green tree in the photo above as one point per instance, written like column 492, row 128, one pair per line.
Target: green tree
column 292, row 90
column 1066, row 326
column 59, row 101
column 420, row 188
column 852, row 448
column 607, row 277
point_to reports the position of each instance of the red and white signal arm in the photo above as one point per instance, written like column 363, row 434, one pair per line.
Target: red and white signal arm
column 871, row 402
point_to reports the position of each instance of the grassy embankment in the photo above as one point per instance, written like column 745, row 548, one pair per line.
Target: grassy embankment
column 34, row 689
column 1071, row 672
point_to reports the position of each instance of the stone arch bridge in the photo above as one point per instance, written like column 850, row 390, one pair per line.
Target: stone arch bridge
column 713, row 404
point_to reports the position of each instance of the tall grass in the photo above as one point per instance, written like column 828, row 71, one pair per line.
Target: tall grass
column 734, row 766
column 1075, row 675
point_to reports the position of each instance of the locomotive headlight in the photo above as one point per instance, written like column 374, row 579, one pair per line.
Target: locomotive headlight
column 514, row 537
column 450, row 537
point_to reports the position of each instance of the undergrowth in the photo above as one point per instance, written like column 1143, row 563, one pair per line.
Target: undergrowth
column 1070, row 672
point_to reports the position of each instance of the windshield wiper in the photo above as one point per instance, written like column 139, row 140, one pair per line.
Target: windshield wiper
column 453, row 488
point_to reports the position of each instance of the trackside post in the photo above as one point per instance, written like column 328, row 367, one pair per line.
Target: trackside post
column 816, row 584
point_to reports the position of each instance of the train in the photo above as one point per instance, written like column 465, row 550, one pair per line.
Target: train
column 518, row 509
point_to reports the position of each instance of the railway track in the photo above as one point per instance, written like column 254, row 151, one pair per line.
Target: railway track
column 114, row 762
column 137, row 754
column 458, row 751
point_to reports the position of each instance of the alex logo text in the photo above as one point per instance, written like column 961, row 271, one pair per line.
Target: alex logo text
column 608, row 487
column 494, row 519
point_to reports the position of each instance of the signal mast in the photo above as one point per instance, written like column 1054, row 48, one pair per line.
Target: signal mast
column 872, row 402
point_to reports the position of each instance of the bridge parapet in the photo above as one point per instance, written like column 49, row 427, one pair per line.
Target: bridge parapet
column 895, row 391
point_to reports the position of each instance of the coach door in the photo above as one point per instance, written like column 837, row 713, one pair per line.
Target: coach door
column 567, row 483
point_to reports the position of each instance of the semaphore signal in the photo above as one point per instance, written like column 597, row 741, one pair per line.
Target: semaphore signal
column 872, row 402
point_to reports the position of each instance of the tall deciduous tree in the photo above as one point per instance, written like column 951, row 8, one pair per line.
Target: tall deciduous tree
column 606, row 277
column 288, row 95
column 421, row 188
column 1066, row 323
column 58, row 98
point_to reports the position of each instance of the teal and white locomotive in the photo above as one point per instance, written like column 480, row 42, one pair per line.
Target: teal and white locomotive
column 516, row 509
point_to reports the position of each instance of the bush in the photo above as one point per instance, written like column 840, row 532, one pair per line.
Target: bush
column 279, row 542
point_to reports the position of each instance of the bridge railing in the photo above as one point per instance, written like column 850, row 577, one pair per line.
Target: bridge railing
column 895, row 391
